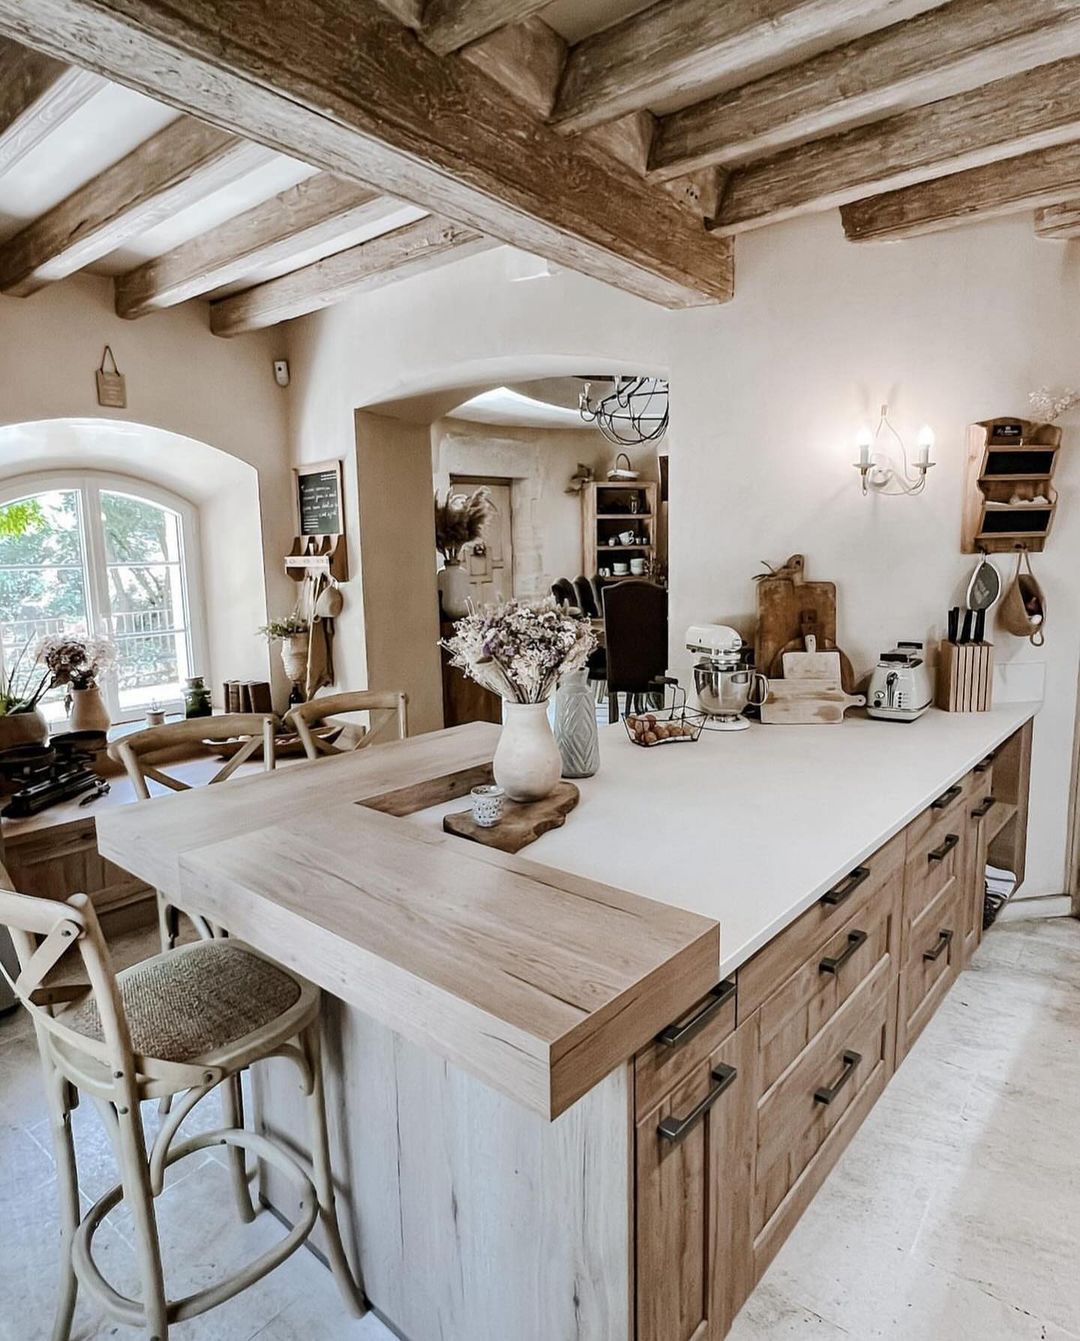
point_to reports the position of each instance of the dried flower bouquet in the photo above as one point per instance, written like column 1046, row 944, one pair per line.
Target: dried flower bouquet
column 519, row 649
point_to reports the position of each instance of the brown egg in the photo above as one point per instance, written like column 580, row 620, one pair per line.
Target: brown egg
column 650, row 737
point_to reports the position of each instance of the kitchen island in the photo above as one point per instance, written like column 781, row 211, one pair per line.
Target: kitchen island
column 585, row 1093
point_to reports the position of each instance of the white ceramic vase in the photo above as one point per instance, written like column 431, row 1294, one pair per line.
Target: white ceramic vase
column 88, row 710
column 527, row 762
column 454, row 589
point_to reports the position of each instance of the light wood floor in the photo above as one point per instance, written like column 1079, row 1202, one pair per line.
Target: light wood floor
column 953, row 1216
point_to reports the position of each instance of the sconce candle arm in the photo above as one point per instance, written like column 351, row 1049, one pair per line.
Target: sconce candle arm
column 876, row 467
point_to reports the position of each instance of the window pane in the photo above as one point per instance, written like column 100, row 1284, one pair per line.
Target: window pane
column 137, row 531
column 42, row 588
column 151, row 667
column 43, row 529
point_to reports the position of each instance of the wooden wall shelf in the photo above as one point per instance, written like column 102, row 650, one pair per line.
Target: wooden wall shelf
column 606, row 513
column 1009, row 498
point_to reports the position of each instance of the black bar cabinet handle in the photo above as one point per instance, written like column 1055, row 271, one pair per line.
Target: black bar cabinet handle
column 828, row 1093
column 854, row 940
column 947, row 798
column 986, row 765
column 675, row 1034
column 943, row 941
column 847, row 886
column 984, row 807
column 673, row 1129
column 940, row 853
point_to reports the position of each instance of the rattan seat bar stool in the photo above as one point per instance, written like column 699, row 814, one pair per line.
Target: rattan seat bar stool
column 180, row 1024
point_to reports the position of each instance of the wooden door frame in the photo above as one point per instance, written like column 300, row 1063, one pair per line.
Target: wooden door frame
column 1072, row 849
column 499, row 482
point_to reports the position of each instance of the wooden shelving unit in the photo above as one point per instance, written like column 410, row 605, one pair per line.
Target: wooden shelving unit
column 608, row 510
column 1009, row 498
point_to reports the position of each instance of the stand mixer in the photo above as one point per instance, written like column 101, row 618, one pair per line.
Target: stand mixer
column 723, row 680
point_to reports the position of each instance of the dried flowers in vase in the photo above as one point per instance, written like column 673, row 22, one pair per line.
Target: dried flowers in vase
column 75, row 660
column 519, row 649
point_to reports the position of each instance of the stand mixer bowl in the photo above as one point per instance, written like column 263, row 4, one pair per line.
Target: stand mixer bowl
column 725, row 690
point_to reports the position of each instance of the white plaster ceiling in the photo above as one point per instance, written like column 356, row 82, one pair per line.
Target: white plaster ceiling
column 514, row 407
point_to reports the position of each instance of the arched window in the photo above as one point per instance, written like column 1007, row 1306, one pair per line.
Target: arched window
column 103, row 554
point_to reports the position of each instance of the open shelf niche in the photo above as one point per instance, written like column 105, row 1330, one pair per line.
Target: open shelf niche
column 613, row 507
column 1009, row 496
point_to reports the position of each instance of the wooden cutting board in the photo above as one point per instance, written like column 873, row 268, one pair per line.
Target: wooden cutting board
column 784, row 598
column 807, row 702
column 811, row 664
column 522, row 822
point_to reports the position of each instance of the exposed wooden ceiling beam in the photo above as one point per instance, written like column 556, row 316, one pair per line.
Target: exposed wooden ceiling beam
column 1058, row 222
column 412, row 250
column 677, row 46
column 526, row 59
column 946, row 51
column 343, row 86
column 449, row 25
column 1030, row 181
column 1000, row 120
column 37, row 95
column 181, row 164
column 311, row 213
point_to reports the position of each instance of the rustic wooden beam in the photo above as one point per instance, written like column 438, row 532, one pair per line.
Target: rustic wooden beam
column 449, row 25
column 37, row 95
column 1009, row 117
column 1027, row 182
column 1058, row 222
column 676, row 46
column 412, row 250
column 946, row 51
column 341, row 85
column 179, row 165
column 526, row 59
column 310, row 214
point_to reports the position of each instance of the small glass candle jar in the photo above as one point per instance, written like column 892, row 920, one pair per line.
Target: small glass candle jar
column 487, row 805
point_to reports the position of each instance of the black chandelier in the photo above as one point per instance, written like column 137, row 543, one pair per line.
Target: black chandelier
column 635, row 410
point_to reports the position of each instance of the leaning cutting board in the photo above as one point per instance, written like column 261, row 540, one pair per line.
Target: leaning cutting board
column 807, row 702
column 811, row 664
column 782, row 599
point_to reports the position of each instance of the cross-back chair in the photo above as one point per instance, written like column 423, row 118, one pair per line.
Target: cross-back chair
column 255, row 730
column 304, row 718
column 181, row 1023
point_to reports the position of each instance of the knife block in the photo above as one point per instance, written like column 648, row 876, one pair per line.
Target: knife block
column 965, row 677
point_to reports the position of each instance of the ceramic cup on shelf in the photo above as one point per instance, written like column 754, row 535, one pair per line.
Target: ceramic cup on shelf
column 621, row 569
column 487, row 805
column 626, row 537
column 637, row 567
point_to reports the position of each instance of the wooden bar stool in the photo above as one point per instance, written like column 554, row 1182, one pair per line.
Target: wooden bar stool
column 180, row 1023
column 311, row 714
column 134, row 751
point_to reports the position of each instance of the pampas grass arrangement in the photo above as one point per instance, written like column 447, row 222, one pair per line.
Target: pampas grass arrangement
column 460, row 520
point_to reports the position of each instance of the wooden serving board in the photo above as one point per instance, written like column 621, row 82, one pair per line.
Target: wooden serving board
column 522, row 822
column 807, row 702
column 783, row 601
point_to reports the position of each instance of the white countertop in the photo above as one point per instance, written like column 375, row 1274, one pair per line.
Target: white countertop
column 752, row 827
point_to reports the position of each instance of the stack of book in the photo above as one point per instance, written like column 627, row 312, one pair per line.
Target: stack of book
column 247, row 696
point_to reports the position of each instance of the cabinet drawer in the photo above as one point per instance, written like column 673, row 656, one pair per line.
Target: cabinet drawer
column 933, row 958
column 798, row 1011
column 944, row 810
column 683, row 1046
column 803, row 1120
column 935, row 863
column 786, row 953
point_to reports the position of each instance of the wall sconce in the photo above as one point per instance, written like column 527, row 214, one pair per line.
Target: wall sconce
column 879, row 470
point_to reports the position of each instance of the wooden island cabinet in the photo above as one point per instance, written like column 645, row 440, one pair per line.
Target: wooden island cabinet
column 772, row 1085
column 585, row 1093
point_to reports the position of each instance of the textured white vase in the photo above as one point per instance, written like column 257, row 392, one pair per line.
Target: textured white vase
column 527, row 762
column 88, row 710
column 454, row 589
column 575, row 725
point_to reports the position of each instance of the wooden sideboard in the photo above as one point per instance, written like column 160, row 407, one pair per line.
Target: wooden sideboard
column 744, row 1105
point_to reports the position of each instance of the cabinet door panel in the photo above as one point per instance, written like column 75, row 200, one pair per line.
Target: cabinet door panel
column 694, row 1252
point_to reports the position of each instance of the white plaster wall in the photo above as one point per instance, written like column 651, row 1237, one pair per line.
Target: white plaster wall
column 767, row 394
column 181, row 379
column 947, row 329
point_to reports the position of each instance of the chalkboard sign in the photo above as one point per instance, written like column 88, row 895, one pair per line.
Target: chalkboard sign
column 318, row 499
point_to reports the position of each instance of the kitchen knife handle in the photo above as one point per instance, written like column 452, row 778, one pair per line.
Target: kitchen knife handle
column 954, row 623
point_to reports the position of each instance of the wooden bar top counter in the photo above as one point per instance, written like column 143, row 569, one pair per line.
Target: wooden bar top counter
column 536, row 981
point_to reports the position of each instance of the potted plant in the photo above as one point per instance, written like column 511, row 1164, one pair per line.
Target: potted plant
column 459, row 521
column 21, row 689
column 519, row 650
column 294, row 634
column 77, row 663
